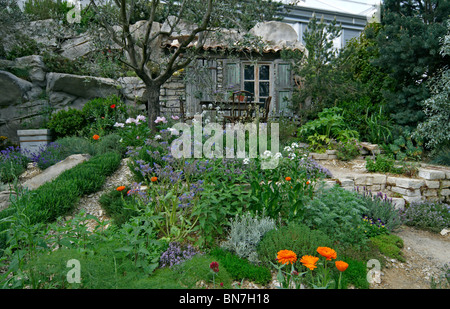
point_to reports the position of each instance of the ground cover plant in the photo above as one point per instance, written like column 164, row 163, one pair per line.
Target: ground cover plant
column 183, row 211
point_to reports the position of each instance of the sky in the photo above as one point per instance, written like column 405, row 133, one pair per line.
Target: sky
column 362, row 7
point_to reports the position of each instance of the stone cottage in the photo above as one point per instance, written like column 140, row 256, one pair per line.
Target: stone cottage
column 227, row 64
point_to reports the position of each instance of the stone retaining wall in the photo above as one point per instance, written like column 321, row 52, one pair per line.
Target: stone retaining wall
column 430, row 185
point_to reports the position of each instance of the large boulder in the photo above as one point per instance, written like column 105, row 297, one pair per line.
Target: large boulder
column 13, row 89
column 68, row 88
column 77, row 47
column 35, row 66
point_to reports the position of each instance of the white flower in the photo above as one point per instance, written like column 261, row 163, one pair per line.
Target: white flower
column 288, row 149
column 210, row 106
column 119, row 125
column 277, row 155
column 292, row 156
column 246, row 161
column 267, row 154
column 130, row 120
column 157, row 137
column 173, row 131
column 294, row 145
column 141, row 118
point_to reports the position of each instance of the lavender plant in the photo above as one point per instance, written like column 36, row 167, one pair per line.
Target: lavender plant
column 380, row 209
column 176, row 254
column 48, row 155
column 13, row 162
column 431, row 216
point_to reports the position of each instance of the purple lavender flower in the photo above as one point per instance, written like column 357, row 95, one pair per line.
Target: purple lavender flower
column 177, row 254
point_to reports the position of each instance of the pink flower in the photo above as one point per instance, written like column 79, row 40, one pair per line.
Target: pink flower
column 141, row 118
column 175, row 117
column 160, row 119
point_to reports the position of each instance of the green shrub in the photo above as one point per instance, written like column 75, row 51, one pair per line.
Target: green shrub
column 296, row 237
column 382, row 164
column 355, row 274
column 442, row 155
column 338, row 213
column 46, row 9
column 24, row 46
column 59, row 64
column 346, row 151
column 110, row 143
column 101, row 114
column 76, row 145
column 240, row 268
column 114, row 205
column 66, row 122
column 389, row 245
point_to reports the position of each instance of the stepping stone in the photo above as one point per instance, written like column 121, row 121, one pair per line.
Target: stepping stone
column 54, row 171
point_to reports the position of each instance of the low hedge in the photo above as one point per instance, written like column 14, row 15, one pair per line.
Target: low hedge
column 60, row 196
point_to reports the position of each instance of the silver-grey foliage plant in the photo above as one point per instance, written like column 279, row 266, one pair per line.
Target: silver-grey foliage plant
column 246, row 231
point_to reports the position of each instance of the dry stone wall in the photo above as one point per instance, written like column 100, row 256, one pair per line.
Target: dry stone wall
column 429, row 185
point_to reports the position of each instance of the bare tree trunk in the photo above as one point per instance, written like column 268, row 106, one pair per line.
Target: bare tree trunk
column 153, row 107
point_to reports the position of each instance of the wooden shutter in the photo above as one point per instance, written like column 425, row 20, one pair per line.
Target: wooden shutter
column 284, row 88
column 202, row 85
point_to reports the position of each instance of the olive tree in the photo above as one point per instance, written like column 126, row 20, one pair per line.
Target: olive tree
column 191, row 21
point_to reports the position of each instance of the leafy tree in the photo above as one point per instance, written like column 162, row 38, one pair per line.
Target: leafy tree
column 436, row 127
column 365, row 112
column 409, row 51
column 197, row 19
column 316, row 67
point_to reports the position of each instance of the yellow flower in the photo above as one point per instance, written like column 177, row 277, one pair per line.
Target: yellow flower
column 286, row 257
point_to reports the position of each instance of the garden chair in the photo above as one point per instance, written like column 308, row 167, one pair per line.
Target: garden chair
column 241, row 107
column 265, row 115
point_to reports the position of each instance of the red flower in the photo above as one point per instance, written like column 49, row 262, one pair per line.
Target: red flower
column 113, row 106
column 95, row 137
column 214, row 267
column 120, row 188
column 288, row 178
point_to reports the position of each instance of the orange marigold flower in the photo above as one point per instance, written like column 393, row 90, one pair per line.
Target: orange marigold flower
column 309, row 261
column 120, row 188
column 341, row 265
column 326, row 252
column 154, row 178
column 288, row 178
column 286, row 257
column 308, row 182
column 95, row 137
